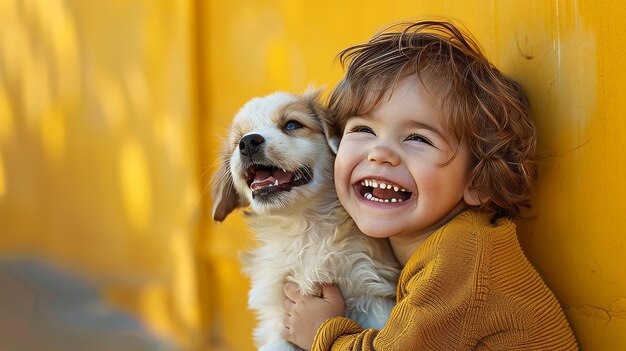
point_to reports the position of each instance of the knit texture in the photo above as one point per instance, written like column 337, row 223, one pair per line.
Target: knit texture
column 467, row 287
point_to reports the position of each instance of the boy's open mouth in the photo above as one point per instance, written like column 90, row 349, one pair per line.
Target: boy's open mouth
column 266, row 179
column 383, row 191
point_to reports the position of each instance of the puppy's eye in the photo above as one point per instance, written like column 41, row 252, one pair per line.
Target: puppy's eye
column 292, row 125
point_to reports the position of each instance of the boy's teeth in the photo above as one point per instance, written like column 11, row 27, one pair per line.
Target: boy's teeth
column 374, row 184
column 371, row 197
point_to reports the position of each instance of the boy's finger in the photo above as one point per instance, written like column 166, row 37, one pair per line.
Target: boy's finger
column 331, row 291
column 286, row 334
column 291, row 291
column 288, row 305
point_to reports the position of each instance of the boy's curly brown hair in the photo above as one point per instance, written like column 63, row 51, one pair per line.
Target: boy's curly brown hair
column 486, row 110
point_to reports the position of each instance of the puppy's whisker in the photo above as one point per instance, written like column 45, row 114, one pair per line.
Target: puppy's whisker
column 308, row 172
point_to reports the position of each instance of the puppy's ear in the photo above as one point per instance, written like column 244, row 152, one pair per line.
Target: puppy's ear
column 225, row 197
column 311, row 95
column 332, row 137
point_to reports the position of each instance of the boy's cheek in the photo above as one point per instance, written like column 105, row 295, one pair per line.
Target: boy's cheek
column 346, row 160
column 340, row 161
column 342, row 183
column 339, row 179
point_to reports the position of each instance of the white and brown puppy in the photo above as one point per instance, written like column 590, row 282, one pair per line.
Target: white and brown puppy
column 279, row 161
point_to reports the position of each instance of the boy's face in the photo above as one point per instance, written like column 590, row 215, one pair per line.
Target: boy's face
column 403, row 145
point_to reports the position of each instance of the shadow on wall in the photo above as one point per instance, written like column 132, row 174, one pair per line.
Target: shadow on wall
column 43, row 307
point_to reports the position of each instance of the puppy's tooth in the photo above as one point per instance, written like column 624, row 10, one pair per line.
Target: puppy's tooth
column 389, row 186
column 363, row 183
column 367, row 196
column 396, row 188
column 394, row 200
column 403, row 190
column 374, row 184
column 382, row 186
column 386, row 200
column 276, row 182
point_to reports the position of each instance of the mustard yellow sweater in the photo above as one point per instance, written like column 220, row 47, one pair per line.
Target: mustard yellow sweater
column 467, row 287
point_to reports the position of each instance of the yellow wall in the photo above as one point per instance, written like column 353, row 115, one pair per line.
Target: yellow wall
column 111, row 114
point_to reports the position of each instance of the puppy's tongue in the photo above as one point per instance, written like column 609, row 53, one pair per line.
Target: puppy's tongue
column 264, row 178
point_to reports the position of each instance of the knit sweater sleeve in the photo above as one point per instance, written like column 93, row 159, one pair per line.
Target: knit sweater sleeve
column 431, row 313
column 343, row 334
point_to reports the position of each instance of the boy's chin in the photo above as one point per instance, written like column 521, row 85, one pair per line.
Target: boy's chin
column 375, row 231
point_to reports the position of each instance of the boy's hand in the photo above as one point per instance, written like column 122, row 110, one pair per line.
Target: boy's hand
column 305, row 314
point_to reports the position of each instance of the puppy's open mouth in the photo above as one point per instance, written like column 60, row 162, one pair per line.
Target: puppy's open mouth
column 267, row 179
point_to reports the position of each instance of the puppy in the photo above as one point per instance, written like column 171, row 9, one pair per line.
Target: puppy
column 279, row 161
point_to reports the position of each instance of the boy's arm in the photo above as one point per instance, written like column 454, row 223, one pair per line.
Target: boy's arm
column 400, row 332
column 407, row 328
column 423, row 319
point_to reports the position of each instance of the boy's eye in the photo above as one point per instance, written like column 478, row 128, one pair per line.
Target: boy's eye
column 361, row 129
column 292, row 125
column 418, row 138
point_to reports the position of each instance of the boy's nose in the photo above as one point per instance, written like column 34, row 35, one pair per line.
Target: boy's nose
column 383, row 154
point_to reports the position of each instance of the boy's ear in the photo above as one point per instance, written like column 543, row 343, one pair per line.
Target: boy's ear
column 225, row 197
column 311, row 95
column 472, row 197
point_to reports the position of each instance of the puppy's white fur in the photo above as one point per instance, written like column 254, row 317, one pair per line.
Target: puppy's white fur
column 304, row 234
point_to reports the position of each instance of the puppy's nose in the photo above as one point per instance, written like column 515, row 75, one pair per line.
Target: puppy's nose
column 250, row 144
